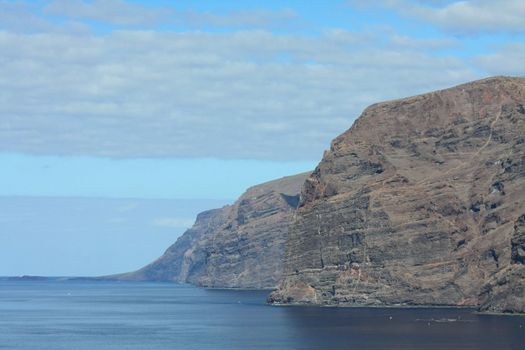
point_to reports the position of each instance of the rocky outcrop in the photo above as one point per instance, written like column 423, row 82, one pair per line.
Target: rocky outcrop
column 237, row 246
column 420, row 202
column 505, row 292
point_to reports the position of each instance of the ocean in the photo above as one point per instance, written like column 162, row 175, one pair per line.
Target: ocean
column 92, row 315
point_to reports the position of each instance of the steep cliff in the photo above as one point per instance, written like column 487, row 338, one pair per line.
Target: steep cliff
column 237, row 246
column 421, row 202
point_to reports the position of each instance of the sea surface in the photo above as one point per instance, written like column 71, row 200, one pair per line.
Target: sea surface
column 78, row 315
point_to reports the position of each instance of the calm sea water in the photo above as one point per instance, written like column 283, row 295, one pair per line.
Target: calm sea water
column 110, row 315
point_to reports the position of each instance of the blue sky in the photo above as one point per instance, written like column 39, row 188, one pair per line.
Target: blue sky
column 147, row 178
column 58, row 236
column 201, row 99
column 229, row 85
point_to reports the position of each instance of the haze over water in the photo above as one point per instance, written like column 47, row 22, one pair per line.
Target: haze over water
column 86, row 315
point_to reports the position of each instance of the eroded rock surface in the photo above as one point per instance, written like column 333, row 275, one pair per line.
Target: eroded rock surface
column 421, row 202
column 237, row 246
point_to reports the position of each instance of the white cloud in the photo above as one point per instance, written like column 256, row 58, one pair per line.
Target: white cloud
column 245, row 94
column 421, row 44
column 246, row 18
column 508, row 59
column 477, row 16
column 22, row 17
column 234, row 94
column 112, row 11
column 127, row 14
column 173, row 222
column 461, row 17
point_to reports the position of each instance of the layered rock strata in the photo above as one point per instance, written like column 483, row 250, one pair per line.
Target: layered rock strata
column 420, row 202
column 237, row 246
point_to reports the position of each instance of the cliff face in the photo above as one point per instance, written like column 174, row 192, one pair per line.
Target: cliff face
column 421, row 202
column 237, row 246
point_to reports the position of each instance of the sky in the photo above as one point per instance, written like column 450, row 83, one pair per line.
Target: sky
column 67, row 236
column 197, row 100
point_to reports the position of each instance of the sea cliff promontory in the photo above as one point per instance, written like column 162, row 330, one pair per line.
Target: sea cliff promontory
column 237, row 246
column 420, row 202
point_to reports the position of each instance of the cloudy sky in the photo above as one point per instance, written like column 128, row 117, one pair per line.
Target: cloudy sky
column 200, row 99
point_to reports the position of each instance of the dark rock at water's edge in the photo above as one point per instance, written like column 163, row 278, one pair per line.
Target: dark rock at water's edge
column 420, row 202
column 237, row 246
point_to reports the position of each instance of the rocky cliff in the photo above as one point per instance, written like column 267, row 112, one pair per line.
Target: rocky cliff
column 421, row 202
column 237, row 246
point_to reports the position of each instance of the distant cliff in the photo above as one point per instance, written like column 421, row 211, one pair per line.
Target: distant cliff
column 421, row 202
column 237, row 246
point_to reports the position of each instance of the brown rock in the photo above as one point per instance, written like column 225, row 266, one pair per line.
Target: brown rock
column 421, row 202
column 237, row 246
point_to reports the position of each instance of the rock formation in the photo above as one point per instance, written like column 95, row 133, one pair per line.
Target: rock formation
column 237, row 246
column 420, row 202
